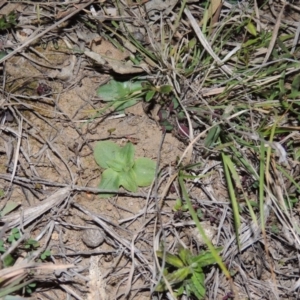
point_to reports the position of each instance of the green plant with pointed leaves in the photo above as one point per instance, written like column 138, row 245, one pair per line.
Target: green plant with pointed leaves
column 46, row 254
column 31, row 244
column 14, row 235
column 184, row 272
column 8, row 21
column 121, row 167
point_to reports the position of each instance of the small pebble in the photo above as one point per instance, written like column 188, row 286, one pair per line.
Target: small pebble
column 138, row 36
column 93, row 237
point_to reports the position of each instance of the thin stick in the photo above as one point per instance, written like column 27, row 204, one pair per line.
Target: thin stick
column 274, row 35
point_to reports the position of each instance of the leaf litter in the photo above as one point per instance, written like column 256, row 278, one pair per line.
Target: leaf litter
column 48, row 142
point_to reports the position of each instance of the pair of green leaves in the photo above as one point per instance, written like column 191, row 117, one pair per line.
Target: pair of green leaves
column 124, row 94
column 121, row 94
column 184, row 272
column 151, row 90
column 121, row 167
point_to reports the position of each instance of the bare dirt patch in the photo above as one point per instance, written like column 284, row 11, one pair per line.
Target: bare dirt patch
column 57, row 151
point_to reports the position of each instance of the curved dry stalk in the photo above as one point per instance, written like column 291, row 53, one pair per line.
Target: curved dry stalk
column 30, row 214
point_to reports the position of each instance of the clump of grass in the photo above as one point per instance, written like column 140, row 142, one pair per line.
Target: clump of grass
column 8, row 21
column 235, row 86
column 14, row 277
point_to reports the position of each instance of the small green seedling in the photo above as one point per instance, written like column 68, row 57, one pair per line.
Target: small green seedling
column 8, row 21
column 184, row 272
column 121, row 94
column 46, row 254
column 2, row 249
column 179, row 206
column 31, row 244
column 151, row 90
column 121, row 167
column 30, row 288
column 14, row 235
column 8, row 260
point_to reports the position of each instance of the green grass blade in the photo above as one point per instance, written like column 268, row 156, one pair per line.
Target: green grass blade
column 229, row 168
column 262, row 183
column 289, row 177
column 248, row 168
column 197, row 285
column 194, row 216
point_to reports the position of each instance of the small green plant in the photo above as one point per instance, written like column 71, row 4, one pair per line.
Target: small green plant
column 179, row 206
column 14, row 235
column 8, row 260
column 30, row 288
column 8, row 21
column 46, row 254
column 184, row 272
column 152, row 90
column 121, row 94
column 2, row 249
column 121, row 167
column 27, row 285
column 31, row 244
